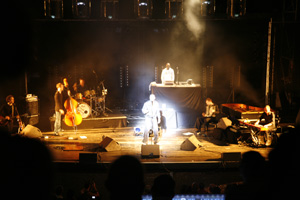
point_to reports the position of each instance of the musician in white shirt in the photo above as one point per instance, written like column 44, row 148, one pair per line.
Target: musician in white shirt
column 152, row 118
column 167, row 75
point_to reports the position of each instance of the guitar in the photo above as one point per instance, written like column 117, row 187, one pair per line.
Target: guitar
column 3, row 121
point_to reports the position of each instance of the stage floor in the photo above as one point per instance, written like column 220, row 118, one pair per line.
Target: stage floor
column 66, row 148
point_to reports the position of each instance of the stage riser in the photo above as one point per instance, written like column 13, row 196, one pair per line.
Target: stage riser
column 90, row 123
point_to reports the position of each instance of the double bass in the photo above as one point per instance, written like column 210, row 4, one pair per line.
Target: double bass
column 72, row 117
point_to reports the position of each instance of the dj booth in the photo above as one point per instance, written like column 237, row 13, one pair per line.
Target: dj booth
column 182, row 100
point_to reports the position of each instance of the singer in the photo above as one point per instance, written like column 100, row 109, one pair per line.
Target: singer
column 152, row 118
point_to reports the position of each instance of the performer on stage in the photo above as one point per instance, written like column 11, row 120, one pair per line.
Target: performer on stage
column 206, row 117
column 267, row 120
column 167, row 75
column 163, row 123
column 59, row 108
column 152, row 118
column 66, row 84
column 66, row 92
column 10, row 112
column 79, row 88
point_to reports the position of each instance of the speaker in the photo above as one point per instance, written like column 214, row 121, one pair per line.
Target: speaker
column 108, row 144
column 32, row 105
column 31, row 131
column 190, row 144
column 223, row 123
column 150, row 151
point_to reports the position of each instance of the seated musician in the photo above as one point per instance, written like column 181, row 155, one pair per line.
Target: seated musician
column 207, row 117
column 10, row 112
column 79, row 88
column 267, row 120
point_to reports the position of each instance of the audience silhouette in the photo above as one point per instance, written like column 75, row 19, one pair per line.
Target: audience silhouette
column 163, row 188
column 125, row 179
column 253, row 171
column 283, row 169
column 26, row 168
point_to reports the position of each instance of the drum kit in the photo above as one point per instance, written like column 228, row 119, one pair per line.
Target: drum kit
column 91, row 103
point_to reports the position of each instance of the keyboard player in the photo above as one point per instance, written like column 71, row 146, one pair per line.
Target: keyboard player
column 266, row 123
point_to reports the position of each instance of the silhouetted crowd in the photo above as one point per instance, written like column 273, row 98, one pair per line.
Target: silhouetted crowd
column 27, row 173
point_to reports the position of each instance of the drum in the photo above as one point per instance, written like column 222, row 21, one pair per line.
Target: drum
column 84, row 109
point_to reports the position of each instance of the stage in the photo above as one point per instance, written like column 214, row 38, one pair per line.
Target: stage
column 69, row 146
column 113, row 120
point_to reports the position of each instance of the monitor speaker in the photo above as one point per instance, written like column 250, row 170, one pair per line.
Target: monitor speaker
column 31, row 131
column 150, row 151
column 108, row 144
column 223, row 123
column 190, row 144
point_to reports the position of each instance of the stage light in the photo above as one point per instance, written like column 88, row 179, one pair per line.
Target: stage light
column 143, row 4
column 80, row 3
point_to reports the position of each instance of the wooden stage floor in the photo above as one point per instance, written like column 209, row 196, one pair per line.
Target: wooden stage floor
column 66, row 148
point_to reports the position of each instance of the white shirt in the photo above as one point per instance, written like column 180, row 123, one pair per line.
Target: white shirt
column 167, row 75
column 151, row 109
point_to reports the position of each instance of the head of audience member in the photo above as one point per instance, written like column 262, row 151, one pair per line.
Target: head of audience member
column 283, row 166
column 125, row 179
column 163, row 188
column 27, row 168
column 253, row 166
